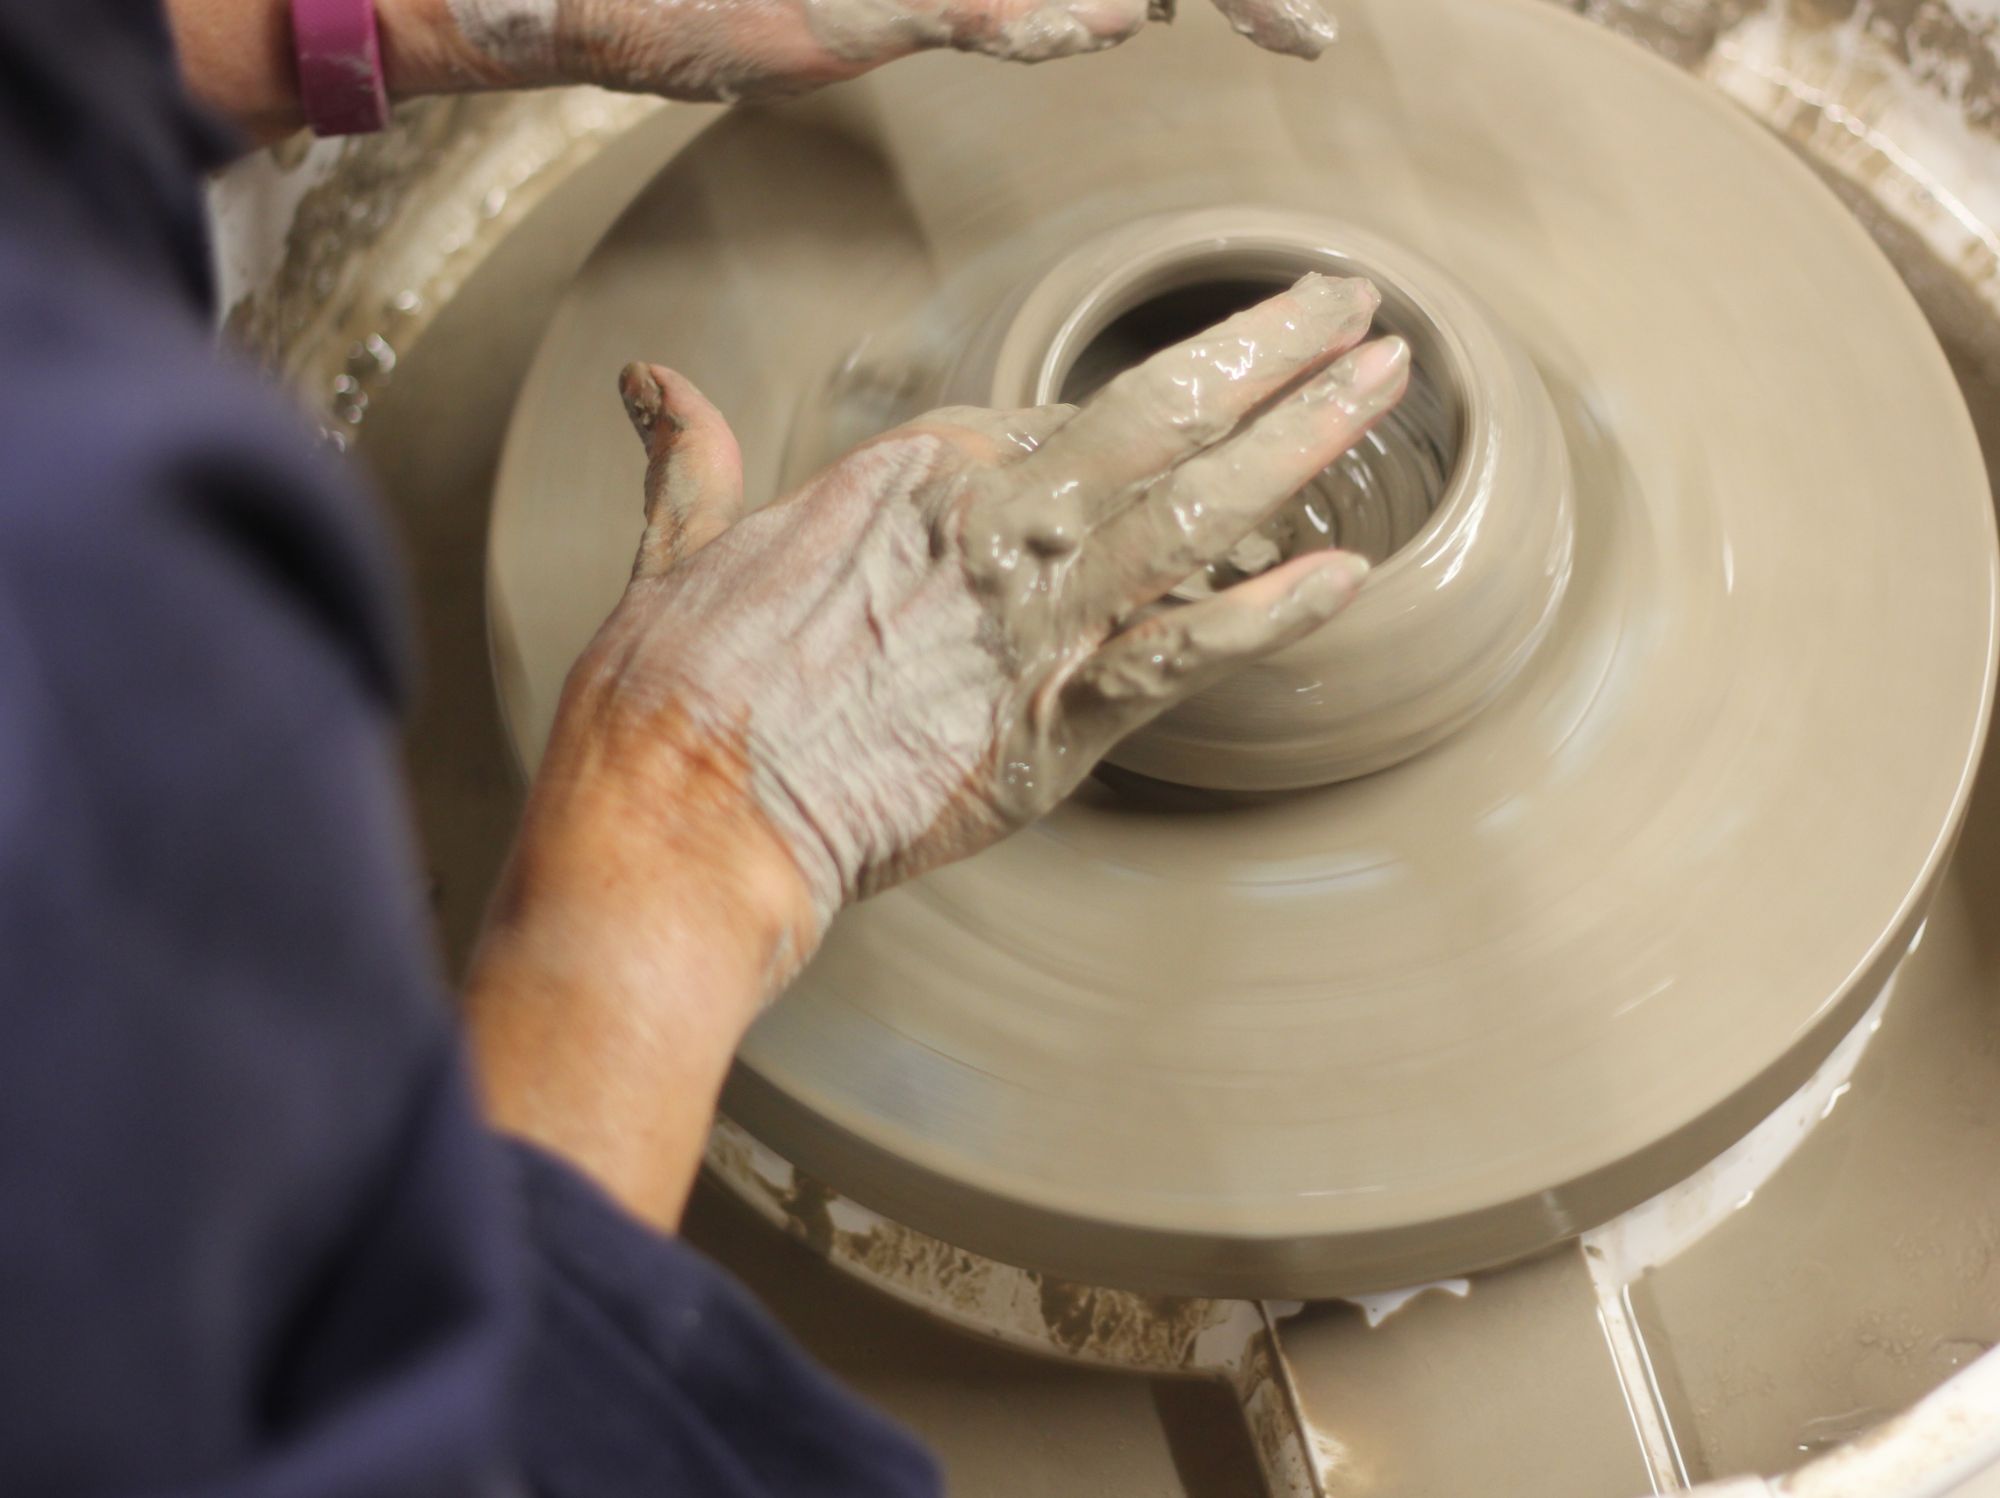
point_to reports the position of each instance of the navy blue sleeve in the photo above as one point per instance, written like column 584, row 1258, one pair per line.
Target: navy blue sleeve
column 251, row 1239
column 254, row 1240
column 654, row 1373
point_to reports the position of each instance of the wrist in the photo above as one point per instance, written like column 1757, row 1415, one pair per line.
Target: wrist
column 423, row 51
column 452, row 46
column 239, row 59
column 235, row 60
column 642, row 924
column 628, row 860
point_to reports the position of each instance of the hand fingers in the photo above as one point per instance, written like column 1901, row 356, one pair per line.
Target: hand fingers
column 1140, row 673
column 1038, row 30
column 1192, row 395
column 694, row 476
column 1203, row 508
column 1013, row 434
column 1301, row 28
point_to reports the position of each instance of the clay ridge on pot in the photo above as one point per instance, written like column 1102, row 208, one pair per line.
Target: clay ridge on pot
column 1458, row 600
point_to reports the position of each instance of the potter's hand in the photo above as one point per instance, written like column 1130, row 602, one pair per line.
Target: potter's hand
column 235, row 55
column 923, row 648
column 730, row 49
column 931, row 643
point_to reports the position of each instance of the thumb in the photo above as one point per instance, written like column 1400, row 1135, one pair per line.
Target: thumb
column 694, row 473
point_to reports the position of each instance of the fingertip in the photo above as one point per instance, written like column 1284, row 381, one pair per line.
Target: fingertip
column 1296, row 28
column 1331, row 580
column 1306, row 41
column 1363, row 383
column 685, row 406
column 1352, row 562
column 1341, row 292
column 1318, row 29
column 645, row 398
column 1042, row 30
column 1382, row 361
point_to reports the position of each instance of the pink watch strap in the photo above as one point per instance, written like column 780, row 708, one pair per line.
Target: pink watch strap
column 340, row 66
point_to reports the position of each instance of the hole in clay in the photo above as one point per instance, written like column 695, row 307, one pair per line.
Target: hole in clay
column 1374, row 499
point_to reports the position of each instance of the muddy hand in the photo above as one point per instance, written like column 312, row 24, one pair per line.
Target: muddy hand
column 731, row 49
column 1302, row 28
column 933, row 641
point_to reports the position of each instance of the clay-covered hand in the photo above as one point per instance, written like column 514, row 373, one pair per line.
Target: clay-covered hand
column 732, row 49
column 933, row 641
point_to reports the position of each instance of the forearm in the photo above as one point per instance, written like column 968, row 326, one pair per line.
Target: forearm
column 236, row 57
column 640, row 928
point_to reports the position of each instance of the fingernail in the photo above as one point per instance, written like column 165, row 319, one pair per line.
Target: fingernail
column 1327, row 588
column 645, row 401
column 1368, row 381
column 1314, row 30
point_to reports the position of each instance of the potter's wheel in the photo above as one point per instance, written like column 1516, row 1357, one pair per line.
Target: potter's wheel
column 1451, row 1012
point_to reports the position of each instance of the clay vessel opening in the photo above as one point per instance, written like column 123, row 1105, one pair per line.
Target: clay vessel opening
column 1377, row 497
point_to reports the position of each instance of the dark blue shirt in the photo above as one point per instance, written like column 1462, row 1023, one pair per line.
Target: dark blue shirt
column 253, row 1240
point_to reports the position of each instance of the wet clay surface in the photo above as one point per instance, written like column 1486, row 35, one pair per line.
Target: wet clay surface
column 1854, row 1281
column 1448, row 1013
column 1868, row 1270
column 1861, row 1275
column 1473, row 456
